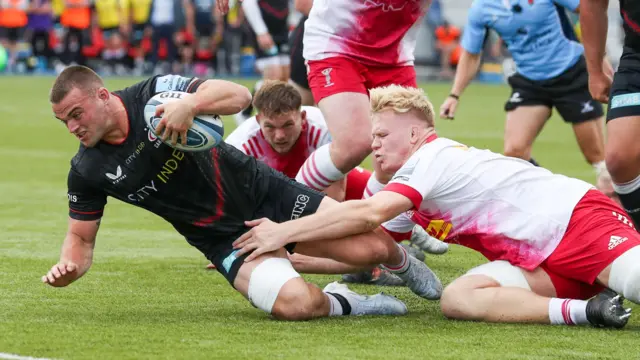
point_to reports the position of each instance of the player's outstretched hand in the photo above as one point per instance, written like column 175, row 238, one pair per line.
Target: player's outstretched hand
column 61, row 274
column 177, row 118
column 448, row 108
column 265, row 236
column 599, row 87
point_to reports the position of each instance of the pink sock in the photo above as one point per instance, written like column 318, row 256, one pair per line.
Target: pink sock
column 567, row 312
column 318, row 171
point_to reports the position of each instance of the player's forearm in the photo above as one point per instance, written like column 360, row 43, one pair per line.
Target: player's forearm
column 594, row 36
column 221, row 98
column 79, row 251
column 252, row 13
column 348, row 218
column 466, row 71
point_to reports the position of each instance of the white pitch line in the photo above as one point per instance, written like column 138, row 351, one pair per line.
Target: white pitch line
column 19, row 357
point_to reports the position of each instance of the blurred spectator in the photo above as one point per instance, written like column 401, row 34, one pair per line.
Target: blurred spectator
column 76, row 20
column 136, row 13
column 168, row 18
column 113, row 24
column 209, row 33
column 39, row 27
column 448, row 44
column 13, row 20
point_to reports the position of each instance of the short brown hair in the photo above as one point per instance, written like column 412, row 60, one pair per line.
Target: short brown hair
column 276, row 97
column 75, row 76
column 402, row 99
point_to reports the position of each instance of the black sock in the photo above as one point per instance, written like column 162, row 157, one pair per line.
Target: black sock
column 629, row 194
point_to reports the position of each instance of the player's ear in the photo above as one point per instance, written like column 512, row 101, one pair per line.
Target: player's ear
column 258, row 117
column 103, row 94
column 303, row 116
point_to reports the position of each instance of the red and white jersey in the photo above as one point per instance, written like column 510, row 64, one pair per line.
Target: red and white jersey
column 374, row 32
column 483, row 200
column 249, row 139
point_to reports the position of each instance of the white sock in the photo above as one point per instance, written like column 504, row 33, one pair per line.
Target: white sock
column 373, row 186
column 567, row 312
column 336, row 308
column 403, row 266
column 599, row 167
column 627, row 188
column 318, row 171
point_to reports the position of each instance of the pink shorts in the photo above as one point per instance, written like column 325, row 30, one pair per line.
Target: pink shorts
column 341, row 74
column 599, row 232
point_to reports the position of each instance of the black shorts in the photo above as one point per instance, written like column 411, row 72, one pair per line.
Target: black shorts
column 567, row 92
column 298, row 72
column 281, row 47
column 624, row 98
column 284, row 199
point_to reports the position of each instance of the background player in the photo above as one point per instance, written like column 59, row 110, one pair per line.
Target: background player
column 298, row 67
column 623, row 116
column 351, row 47
column 206, row 196
column 282, row 135
column 269, row 21
column 551, row 73
column 550, row 239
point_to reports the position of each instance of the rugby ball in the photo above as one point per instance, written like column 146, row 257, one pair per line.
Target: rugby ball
column 206, row 132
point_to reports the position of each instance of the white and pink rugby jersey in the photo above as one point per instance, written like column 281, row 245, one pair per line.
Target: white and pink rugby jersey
column 249, row 139
column 483, row 200
column 374, row 32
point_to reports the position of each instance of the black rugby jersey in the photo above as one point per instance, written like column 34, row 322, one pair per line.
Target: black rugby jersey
column 194, row 191
column 275, row 14
column 630, row 12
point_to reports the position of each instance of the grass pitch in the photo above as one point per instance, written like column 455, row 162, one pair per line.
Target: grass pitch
column 149, row 296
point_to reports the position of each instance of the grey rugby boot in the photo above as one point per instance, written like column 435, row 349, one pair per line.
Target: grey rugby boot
column 378, row 276
column 356, row 304
column 420, row 279
column 606, row 310
column 414, row 251
column 425, row 242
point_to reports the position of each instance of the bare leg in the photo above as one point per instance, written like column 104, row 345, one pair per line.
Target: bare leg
column 521, row 129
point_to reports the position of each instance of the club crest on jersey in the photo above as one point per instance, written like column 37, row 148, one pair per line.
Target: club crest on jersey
column 327, row 77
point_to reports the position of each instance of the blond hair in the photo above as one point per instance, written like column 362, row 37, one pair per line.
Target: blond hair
column 402, row 100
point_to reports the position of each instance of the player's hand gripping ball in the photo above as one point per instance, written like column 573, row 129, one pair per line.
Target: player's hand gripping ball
column 205, row 133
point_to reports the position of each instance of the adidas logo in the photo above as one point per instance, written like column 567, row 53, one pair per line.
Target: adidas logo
column 615, row 241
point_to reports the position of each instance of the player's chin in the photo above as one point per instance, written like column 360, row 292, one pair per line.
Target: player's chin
column 282, row 149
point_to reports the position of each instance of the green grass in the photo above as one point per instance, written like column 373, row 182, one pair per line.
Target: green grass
column 148, row 295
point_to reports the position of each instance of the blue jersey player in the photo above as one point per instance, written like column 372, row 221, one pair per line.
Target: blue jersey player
column 550, row 72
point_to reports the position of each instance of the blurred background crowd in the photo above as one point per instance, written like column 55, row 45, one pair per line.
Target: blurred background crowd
column 144, row 37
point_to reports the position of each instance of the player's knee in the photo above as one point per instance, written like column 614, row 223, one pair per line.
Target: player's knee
column 619, row 161
column 268, row 280
column 354, row 147
column 456, row 301
column 624, row 277
column 516, row 150
column 296, row 302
